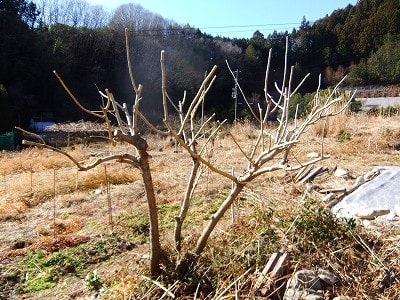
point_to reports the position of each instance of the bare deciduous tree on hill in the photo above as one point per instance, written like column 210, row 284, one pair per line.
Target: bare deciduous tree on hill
column 270, row 152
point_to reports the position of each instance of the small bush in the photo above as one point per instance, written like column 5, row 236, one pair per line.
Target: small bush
column 343, row 136
column 93, row 281
column 315, row 225
column 355, row 106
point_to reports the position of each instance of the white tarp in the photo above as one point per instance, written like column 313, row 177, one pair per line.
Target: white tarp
column 380, row 196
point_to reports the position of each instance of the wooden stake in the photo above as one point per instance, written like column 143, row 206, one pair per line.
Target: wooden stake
column 276, row 267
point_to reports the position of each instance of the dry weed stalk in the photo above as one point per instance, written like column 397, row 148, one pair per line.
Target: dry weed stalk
column 269, row 153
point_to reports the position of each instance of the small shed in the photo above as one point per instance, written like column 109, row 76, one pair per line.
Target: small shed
column 7, row 141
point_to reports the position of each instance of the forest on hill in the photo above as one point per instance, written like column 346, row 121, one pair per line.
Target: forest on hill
column 86, row 45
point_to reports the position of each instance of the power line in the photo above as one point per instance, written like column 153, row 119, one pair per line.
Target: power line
column 270, row 27
column 214, row 30
column 261, row 27
column 251, row 30
column 241, row 26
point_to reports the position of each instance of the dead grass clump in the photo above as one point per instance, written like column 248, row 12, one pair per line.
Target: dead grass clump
column 24, row 188
column 37, row 187
column 354, row 146
column 13, row 163
column 12, row 210
column 244, row 131
column 52, row 161
column 98, row 177
column 61, row 227
column 125, row 285
column 332, row 126
column 117, row 174
column 365, row 267
column 34, row 160
column 392, row 138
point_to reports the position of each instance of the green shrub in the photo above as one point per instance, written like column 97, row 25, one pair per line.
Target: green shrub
column 93, row 281
column 42, row 271
column 315, row 225
column 343, row 136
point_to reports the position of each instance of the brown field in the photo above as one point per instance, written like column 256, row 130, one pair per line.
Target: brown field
column 97, row 220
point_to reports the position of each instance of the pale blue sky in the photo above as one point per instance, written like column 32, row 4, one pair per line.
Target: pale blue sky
column 208, row 15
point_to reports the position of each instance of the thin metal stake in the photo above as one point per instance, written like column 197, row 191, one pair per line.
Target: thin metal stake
column 54, row 203
column 31, row 181
column 77, row 180
column 110, row 218
column 233, row 203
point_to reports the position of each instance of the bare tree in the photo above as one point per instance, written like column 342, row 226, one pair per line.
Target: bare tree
column 75, row 13
column 270, row 152
column 139, row 20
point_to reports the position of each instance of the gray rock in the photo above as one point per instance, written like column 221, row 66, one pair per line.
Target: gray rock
column 314, row 297
column 327, row 277
column 98, row 192
column 312, row 155
column 340, row 173
column 308, row 285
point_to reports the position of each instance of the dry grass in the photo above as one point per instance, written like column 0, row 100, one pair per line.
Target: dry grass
column 331, row 126
column 263, row 215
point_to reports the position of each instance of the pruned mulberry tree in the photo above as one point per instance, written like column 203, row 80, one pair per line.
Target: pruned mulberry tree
column 270, row 151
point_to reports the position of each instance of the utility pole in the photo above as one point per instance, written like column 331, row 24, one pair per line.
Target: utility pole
column 235, row 91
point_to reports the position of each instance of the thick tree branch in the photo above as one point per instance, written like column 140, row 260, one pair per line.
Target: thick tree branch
column 76, row 100
column 128, row 59
column 125, row 158
column 32, row 134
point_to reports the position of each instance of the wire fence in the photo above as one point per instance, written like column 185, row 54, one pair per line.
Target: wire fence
column 36, row 187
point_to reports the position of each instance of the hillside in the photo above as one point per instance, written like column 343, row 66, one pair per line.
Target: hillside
column 360, row 40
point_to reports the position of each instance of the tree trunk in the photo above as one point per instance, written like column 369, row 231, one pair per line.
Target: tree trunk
column 202, row 241
column 155, row 246
column 143, row 160
column 155, row 251
column 185, row 205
